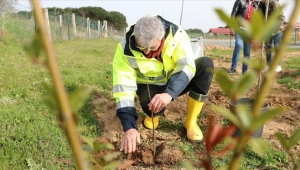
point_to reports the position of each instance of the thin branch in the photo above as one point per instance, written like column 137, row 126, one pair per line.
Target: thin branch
column 261, row 95
column 62, row 97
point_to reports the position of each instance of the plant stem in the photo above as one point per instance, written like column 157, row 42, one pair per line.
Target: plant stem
column 269, row 75
column 65, row 109
column 238, row 152
column 260, row 97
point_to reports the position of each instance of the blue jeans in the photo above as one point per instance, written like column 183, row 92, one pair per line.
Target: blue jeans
column 274, row 40
column 239, row 43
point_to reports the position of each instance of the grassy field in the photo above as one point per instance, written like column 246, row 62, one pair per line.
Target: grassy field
column 30, row 137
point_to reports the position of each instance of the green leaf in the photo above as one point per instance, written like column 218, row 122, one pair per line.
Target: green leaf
column 228, row 20
column 258, row 145
column 89, row 142
column 282, row 140
column 34, row 48
column 51, row 98
column 256, row 21
column 294, row 139
column 233, row 23
column 102, row 146
column 110, row 156
column 224, row 82
column 245, row 115
column 269, row 27
column 227, row 114
column 261, row 120
column 256, row 64
column 78, row 97
column 243, row 83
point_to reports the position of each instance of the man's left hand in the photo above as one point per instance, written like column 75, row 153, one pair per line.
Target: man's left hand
column 159, row 101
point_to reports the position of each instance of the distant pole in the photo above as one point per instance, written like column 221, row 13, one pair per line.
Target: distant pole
column 104, row 29
column 296, row 35
column 68, row 18
column 47, row 22
column 99, row 29
column 74, row 24
column 181, row 12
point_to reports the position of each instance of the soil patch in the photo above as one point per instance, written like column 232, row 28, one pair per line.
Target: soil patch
column 279, row 96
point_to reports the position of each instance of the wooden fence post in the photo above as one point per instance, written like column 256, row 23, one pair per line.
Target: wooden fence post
column 104, row 32
column 99, row 29
column 88, row 27
column 47, row 22
column 60, row 21
column 74, row 25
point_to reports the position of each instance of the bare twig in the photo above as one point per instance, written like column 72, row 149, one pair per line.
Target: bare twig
column 65, row 109
column 153, row 134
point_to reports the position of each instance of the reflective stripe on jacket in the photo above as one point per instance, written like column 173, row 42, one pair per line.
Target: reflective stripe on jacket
column 131, row 67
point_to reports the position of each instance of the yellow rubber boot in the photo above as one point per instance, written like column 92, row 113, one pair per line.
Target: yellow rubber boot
column 194, row 107
column 148, row 122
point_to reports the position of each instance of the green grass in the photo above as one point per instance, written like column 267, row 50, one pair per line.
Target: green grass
column 291, row 79
column 30, row 135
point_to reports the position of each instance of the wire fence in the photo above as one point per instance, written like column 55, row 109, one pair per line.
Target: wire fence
column 20, row 25
column 294, row 39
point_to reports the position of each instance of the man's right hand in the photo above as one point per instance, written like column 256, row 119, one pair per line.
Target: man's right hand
column 131, row 137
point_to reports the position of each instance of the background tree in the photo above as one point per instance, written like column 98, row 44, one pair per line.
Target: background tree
column 194, row 32
column 7, row 5
column 117, row 19
column 94, row 13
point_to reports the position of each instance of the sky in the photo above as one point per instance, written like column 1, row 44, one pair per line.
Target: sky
column 190, row 14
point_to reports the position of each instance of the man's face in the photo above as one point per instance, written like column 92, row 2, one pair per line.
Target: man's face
column 155, row 45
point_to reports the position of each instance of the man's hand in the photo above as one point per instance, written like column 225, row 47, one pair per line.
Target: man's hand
column 130, row 138
column 281, row 28
column 232, row 32
column 159, row 101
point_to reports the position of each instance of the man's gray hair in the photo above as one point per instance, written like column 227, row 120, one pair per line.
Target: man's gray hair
column 147, row 29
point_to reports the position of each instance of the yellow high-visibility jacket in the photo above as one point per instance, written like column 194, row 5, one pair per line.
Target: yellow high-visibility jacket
column 131, row 67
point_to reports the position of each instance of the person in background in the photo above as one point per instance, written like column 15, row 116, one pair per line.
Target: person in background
column 276, row 37
column 155, row 62
column 244, row 9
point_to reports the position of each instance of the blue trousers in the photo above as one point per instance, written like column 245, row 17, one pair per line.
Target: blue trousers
column 239, row 43
column 274, row 40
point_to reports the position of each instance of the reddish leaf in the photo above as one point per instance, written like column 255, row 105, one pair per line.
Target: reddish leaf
column 207, row 164
column 229, row 147
column 216, row 131
column 216, row 134
column 228, row 131
column 210, row 135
